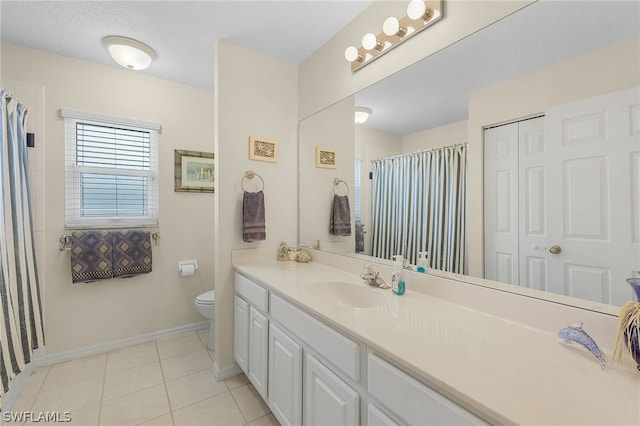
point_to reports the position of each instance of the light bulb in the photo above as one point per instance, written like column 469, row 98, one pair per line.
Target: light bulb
column 391, row 27
column 417, row 9
column 351, row 54
column 370, row 42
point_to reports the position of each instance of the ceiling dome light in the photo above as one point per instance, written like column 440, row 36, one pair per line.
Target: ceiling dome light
column 391, row 27
column 129, row 53
column 361, row 114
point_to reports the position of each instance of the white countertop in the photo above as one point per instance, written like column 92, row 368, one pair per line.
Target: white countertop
column 504, row 371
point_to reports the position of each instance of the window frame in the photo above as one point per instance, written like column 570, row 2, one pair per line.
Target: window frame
column 73, row 191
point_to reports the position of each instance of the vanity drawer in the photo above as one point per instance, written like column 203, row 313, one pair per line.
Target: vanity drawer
column 412, row 401
column 255, row 294
column 342, row 352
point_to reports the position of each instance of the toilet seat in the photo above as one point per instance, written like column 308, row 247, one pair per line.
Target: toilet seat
column 207, row 298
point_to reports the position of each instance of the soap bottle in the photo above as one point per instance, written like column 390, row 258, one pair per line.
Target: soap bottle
column 423, row 262
column 397, row 278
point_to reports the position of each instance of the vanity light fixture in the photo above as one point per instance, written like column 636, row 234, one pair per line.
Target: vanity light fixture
column 420, row 15
column 361, row 114
column 128, row 52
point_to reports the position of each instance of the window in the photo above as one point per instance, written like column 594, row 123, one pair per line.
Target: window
column 111, row 169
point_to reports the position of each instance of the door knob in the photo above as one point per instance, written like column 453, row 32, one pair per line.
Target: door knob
column 555, row 249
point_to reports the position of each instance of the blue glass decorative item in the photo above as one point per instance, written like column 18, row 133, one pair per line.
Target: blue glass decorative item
column 575, row 333
column 627, row 345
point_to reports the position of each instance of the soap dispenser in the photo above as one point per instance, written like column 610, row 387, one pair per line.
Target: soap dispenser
column 397, row 278
column 423, row 262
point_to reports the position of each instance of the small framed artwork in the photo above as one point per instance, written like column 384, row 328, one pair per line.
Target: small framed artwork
column 326, row 158
column 193, row 171
column 263, row 149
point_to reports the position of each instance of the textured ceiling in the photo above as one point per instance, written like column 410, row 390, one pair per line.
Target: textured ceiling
column 431, row 93
column 183, row 33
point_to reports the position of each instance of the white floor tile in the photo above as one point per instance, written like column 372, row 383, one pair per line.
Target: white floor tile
column 268, row 420
column 185, row 364
column 69, row 398
column 35, row 381
column 251, row 404
column 131, row 380
column 218, row 410
column 165, row 420
column 134, row 356
column 74, row 372
column 179, row 346
column 136, row 407
column 193, row 388
column 236, row 381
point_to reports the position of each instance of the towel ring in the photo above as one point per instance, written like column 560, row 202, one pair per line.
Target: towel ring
column 250, row 174
column 337, row 182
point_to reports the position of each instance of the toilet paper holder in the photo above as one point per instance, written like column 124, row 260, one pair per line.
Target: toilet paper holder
column 187, row 267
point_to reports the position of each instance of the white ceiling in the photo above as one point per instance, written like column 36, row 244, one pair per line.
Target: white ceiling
column 434, row 92
column 183, row 33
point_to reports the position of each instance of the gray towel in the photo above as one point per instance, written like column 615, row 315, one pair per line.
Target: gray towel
column 253, row 222
column 91, row 256
column 340, row 220
column 359, row 237
column 131, row 253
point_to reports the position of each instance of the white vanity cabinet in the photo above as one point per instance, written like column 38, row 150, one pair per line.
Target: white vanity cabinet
column 410, row 400
column 328, row 400
column 309, row 373
column 251, row 332
column 285, row 373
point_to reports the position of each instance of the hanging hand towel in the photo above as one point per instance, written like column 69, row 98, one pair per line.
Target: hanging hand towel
column 91, row 256
column 253, row 222
column 131, row 253
column 340, row 220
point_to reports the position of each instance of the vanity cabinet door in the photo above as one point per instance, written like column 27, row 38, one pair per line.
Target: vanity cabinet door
column 258, row 351
column 285, row 372
column 327, row 399
column 241, row 333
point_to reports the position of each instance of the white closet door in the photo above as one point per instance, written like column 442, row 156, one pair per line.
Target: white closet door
column 501, row 203
column 594, row 209
column 532, row 204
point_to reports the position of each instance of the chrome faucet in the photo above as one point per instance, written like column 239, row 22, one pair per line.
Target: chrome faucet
column 373, row 278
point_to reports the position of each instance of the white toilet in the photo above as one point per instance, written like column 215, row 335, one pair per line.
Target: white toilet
column 205, row 303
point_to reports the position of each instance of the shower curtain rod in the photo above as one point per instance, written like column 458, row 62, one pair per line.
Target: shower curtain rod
column 423, row 151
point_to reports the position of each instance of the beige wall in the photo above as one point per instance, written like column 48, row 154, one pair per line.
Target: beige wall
column 326, row 77
column 438, row 137
column 606, row 70
column 80, row 315
column 331, row 128
column 256, row 95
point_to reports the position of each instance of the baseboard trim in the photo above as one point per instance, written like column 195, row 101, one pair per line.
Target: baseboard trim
column 226, row 372
column 116, row 344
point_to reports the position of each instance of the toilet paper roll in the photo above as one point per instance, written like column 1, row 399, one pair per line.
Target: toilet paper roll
column 187, row 270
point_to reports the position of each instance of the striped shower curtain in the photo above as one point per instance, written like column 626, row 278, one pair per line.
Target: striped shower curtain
column 419, row 205
column 21, row 325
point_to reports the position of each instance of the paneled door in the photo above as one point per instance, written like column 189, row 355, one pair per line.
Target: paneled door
column 594, row 207
column 515, row 204
column 562, row 199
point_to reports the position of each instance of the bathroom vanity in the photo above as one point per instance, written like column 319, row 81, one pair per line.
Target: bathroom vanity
column 321, row 347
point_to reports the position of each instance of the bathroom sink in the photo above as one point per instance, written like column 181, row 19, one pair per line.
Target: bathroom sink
column 348, row 294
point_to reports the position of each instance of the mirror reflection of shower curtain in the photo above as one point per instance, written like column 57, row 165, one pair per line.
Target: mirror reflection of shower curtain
column 21, row 330
column 419, row 205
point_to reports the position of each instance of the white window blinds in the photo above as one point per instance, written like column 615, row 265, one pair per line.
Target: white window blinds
column 111, row 171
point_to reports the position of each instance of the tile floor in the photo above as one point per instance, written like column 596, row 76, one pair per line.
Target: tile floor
column 165, row 382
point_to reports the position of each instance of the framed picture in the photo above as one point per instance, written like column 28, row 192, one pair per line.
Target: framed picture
column 326, row 158
column 193, row 171
column 263, row 149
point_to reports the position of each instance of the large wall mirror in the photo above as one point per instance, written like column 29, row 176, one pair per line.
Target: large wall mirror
column 542, row 58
